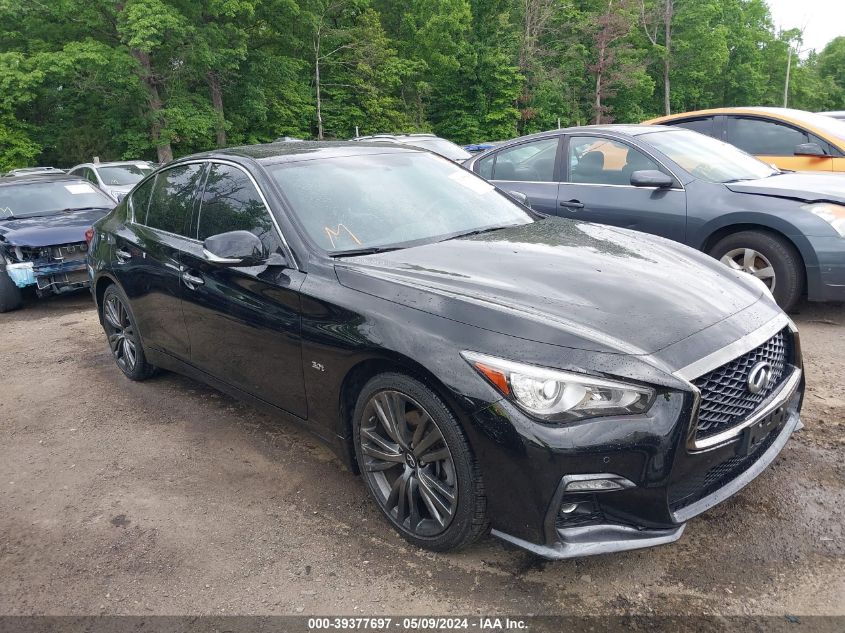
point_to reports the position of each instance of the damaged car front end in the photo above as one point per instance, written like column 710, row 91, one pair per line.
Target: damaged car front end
column 43, row 225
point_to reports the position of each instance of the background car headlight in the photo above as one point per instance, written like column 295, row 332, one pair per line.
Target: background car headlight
column 560, row 396
column 833, row 214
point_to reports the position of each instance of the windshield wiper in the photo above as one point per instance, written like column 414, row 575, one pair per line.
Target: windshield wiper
column 77, row 209
column 352, row 252
column 489, row 229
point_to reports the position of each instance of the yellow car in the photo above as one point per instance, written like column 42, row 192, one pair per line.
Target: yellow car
column 786, row 138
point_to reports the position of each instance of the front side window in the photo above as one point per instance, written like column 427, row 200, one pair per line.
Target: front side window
column 172, row 198
column 390, row 200
column 764, row 138
column 231, row 202
column 527, row 162
column 603, row 161
column 705, row 157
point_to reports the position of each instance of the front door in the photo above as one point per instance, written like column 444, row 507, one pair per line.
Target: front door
column 597, row 188
column 243, row 322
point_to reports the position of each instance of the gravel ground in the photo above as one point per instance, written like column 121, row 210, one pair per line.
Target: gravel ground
column 167, row 497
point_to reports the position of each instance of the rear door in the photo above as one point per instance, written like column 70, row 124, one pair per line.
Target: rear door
column 530, row 168
column 147, row 253
column 597, row 188
column 244, row 322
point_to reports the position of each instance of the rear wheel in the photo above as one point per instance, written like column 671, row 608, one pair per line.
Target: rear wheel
column 10, row 294
column 770, row 258
column 123, row 337
column 417, row 464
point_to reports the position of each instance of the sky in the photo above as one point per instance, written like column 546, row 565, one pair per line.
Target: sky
column 822, row 20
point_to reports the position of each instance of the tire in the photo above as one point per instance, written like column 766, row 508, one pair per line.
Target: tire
column 10, row 294
column 772, row 251
column 122, row 334
column 444, row 501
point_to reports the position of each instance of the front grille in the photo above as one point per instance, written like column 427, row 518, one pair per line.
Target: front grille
column 725, row 398
column 700, row 485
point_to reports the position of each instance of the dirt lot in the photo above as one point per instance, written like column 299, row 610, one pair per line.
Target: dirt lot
column 167, row 497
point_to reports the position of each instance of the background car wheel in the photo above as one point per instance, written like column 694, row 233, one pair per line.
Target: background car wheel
column 768, row 257
column 122, row 333
column 10, row 294
column 417, row 464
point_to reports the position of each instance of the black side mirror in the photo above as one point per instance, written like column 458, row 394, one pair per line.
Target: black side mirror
column 651, row 178
column 809, row 149
column 521, row 198
column 235, row 248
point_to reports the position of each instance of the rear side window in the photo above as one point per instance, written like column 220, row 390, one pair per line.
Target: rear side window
column 231, row 202
column 172, row 198
column 765, row 138
column 528, row 162
column 140, row 201
column 702, row 125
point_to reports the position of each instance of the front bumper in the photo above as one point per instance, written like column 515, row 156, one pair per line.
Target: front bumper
column 826, row 278
column 603, row 538
column 56, row 270
column 666, row 478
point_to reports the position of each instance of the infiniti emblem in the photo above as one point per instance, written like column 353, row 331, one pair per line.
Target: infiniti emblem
column 759, row 377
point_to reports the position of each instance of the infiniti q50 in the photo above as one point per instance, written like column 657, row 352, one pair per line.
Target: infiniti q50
column 573, row 387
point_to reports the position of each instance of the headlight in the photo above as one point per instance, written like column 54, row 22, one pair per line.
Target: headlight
column 833, row 214
column 560, row 396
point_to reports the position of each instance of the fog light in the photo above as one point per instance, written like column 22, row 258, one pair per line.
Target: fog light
column 604, row 482
column 568, row 508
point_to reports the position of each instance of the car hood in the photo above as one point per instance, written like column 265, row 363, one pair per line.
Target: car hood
column 62, row 228
column 574, row 284
column 805, row 186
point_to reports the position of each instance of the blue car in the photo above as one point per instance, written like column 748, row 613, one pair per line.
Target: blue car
column 43, row 225
column 787, row 229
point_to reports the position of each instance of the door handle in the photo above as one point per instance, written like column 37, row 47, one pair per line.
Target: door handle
column 572, row 204
column 192, row 281
column 122, row 255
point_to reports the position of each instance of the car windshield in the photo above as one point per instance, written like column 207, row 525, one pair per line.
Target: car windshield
column 440, row 146
column 706, row 158
column 29, row 199
column 123, row 174
column 391, row 200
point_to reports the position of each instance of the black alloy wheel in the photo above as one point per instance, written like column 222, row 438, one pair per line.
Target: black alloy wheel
column 122, row 334
column 417, row 463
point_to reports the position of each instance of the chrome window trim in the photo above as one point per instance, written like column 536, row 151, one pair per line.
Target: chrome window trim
column 737, row 348
column 598, row 184
column 204, row 161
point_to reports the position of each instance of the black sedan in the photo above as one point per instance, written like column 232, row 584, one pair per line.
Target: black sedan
column 577, row 388
column 43, row 221
column 787, row 229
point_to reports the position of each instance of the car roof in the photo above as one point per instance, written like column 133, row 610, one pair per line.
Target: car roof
column 396, row 136
column 623, row 129
column 31, row 178
column 112, row 163
column 293, row 151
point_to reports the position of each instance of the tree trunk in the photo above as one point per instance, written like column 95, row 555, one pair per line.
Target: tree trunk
column 667, row 24
column 217, row 104
column 598, row 97
column 319, row 100
column 165, row 153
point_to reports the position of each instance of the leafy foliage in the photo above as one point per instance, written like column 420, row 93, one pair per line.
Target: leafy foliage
column 158, row 78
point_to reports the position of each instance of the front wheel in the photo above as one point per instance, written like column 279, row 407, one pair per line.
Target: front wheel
column 417, row 464
column 10, row 294
column 770, row 258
